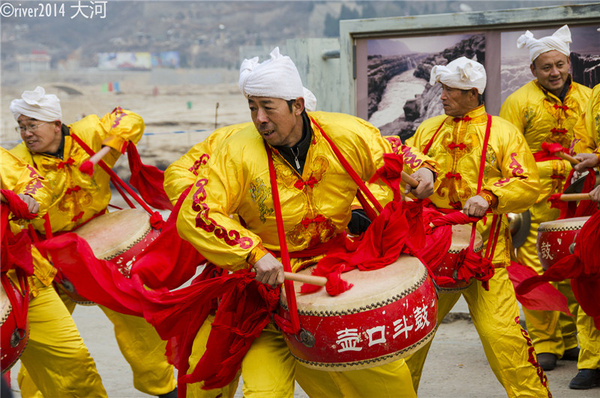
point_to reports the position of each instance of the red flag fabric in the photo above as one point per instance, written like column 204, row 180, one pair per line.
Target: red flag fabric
column 168, row 261
column 148, row 180
column 177, row 315
column 15, row 250
column 545, row 298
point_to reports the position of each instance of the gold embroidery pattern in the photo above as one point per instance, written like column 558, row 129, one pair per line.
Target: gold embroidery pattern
column 314, row 227
column 260, row 192
column 452, row 184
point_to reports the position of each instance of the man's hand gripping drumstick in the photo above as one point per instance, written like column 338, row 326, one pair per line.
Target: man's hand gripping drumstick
column 271, row 272
column 419, row 183
column 585, row 161
column 88, row 166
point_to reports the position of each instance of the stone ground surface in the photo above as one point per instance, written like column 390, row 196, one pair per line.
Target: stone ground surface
column 456, row 366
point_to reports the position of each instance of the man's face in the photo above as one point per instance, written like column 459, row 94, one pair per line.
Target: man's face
column 40, row 136
column 275, row 122
column 552, row 70
column 455, row 101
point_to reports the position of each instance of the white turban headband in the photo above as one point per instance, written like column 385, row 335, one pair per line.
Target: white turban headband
column 559, row 41
column 38, row 105
column 276, row 77
column 462, row 73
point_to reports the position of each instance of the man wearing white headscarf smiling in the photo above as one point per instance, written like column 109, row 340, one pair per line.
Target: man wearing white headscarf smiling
column 545, row 111
column 51, row 147
column 508, row 183
column 315, row 194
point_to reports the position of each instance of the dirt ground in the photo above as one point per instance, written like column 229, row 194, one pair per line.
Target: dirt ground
column 456, row 366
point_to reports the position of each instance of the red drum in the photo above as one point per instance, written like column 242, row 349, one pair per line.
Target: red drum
column 120, row 237
column 13, row 337
column 388, row 314
column 461, row 236
column 556, row 239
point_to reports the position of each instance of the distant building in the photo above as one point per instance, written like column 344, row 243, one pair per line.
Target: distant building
column 37, row 61
column 124, row 61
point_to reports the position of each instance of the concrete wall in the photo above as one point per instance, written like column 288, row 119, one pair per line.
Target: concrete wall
column 320, row 74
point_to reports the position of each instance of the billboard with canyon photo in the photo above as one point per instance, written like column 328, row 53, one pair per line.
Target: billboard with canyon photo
column 397, row 70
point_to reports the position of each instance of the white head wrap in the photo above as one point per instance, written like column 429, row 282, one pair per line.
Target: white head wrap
column 462, row 73
column 275, row 78
column 559, row 41
column 310, row 101
column 38, row 105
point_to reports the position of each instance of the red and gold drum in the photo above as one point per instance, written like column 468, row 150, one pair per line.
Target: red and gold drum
column 556, row 239
column 388, row 314
column 120, row 237
column 461, row 236
column 13, row 336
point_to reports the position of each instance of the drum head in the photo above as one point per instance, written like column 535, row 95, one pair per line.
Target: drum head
column 114, row 233
column 376, row 286
column 461, row 236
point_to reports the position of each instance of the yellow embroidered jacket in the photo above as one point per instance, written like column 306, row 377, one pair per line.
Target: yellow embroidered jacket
column 76, row 196
column 510, row 172
column 589, row 125
column 316, row 206
column 542, row 117
column 183, row 172
column 21, row 178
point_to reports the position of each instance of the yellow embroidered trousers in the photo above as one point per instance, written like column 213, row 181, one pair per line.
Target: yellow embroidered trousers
column 58, row 361
column 509, row 351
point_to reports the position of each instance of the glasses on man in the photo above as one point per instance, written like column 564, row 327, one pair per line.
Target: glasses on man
column 32, row 127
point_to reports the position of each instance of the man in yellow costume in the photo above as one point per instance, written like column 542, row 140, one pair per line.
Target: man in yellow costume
column 458, row 141
column 588, row 366
column 588, row 133
column 546, row 110
column 59, row 362
column 52, row 149
column 314, row 190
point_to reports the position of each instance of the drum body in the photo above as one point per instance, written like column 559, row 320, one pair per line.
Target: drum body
column 461, row 236
column 13, row 337
column 120, row 237
column 556, row 239
column 388, row 314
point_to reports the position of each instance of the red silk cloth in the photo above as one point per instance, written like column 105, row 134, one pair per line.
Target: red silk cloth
column 438, row 228
column 16, row 205
column 245, row 308
column 582, row 267
column 544, row 298
column 573, row 209
column 148, row 180
column 548, row 152
column 15, row 250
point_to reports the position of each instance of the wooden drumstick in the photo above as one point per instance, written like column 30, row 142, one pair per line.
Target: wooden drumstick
column 571, row 197
column 567, row 157
column 100, row 154
column 310, row 279
column 409, row 180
